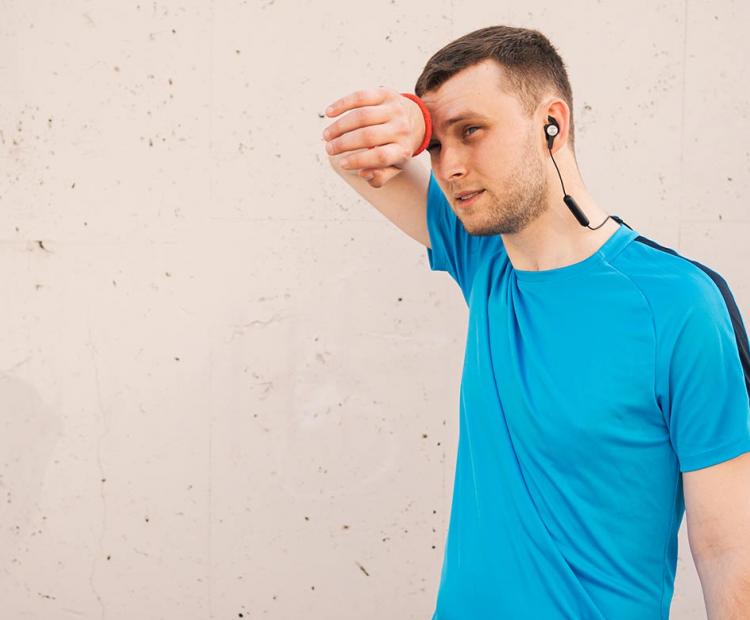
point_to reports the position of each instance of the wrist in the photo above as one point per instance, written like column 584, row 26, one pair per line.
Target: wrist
column 426, row 123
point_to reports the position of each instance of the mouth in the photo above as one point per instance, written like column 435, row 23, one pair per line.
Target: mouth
column 468, row 199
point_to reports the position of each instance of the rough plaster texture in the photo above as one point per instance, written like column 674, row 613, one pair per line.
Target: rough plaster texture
column 228, row 386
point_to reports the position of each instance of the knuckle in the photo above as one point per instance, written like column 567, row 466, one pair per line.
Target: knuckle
column 359, row 97
column 368, row 133
column 364, row 116
column 383, row 93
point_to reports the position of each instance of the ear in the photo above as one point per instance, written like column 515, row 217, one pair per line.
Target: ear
column 559, row 110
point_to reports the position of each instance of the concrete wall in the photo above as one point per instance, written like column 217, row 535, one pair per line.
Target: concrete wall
column 229, row 386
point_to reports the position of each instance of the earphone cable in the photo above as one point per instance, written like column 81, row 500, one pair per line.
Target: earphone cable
column 566, row 193
column 558, row 170
column 600, row 225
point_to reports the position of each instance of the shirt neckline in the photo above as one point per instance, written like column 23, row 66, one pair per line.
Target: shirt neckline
column 616, row 242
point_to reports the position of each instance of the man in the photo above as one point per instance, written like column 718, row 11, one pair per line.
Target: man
column 606, row 377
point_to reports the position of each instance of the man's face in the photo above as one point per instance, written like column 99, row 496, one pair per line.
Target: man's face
column 496, row 148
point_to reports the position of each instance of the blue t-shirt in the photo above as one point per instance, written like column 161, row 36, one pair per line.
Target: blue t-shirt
column 586, row 390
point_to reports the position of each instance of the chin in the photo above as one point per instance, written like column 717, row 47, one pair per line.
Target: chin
column 478, row 229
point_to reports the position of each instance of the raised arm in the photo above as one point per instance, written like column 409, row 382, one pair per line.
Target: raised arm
column 378, row 137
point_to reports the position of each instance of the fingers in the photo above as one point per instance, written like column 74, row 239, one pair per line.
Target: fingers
column 357, row 99
column 379, row 157
column 370, row 136
column 359, row 118
column 367, row 111
column 379, row 176
column 366, row 136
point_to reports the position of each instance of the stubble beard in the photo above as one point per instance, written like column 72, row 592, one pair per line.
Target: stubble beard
column 523, row 200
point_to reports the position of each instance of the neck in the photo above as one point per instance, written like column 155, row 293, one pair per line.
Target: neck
column 556, row 238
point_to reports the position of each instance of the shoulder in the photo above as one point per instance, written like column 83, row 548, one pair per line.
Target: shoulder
column 673, row 283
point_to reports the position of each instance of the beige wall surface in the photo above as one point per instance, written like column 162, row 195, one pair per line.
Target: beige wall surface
column 228, row 385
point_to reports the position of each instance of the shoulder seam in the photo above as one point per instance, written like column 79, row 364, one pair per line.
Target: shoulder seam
column 653, row 328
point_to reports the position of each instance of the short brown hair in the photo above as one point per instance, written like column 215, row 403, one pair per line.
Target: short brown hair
column 532, row 65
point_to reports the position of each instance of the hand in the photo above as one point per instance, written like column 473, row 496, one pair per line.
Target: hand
column 390, row 126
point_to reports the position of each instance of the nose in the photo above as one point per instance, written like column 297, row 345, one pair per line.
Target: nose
column 450, row 165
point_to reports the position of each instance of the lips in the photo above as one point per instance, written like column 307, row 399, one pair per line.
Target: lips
column 467, row 196
column 467, row 192
column 471, row 199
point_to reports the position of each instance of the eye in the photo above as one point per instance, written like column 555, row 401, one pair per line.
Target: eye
column 437, row 144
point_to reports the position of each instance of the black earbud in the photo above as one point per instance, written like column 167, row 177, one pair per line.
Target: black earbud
column 551, row 129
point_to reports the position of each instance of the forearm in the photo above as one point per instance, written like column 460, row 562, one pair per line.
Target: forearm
column 725, row 580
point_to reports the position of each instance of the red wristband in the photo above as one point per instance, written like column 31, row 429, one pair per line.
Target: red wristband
column 427, row 122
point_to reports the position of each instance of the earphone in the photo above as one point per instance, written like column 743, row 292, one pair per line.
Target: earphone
column 551, row 129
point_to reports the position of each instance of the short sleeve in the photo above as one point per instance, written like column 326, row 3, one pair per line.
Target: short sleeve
column 453, row 249
column 706, row 393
